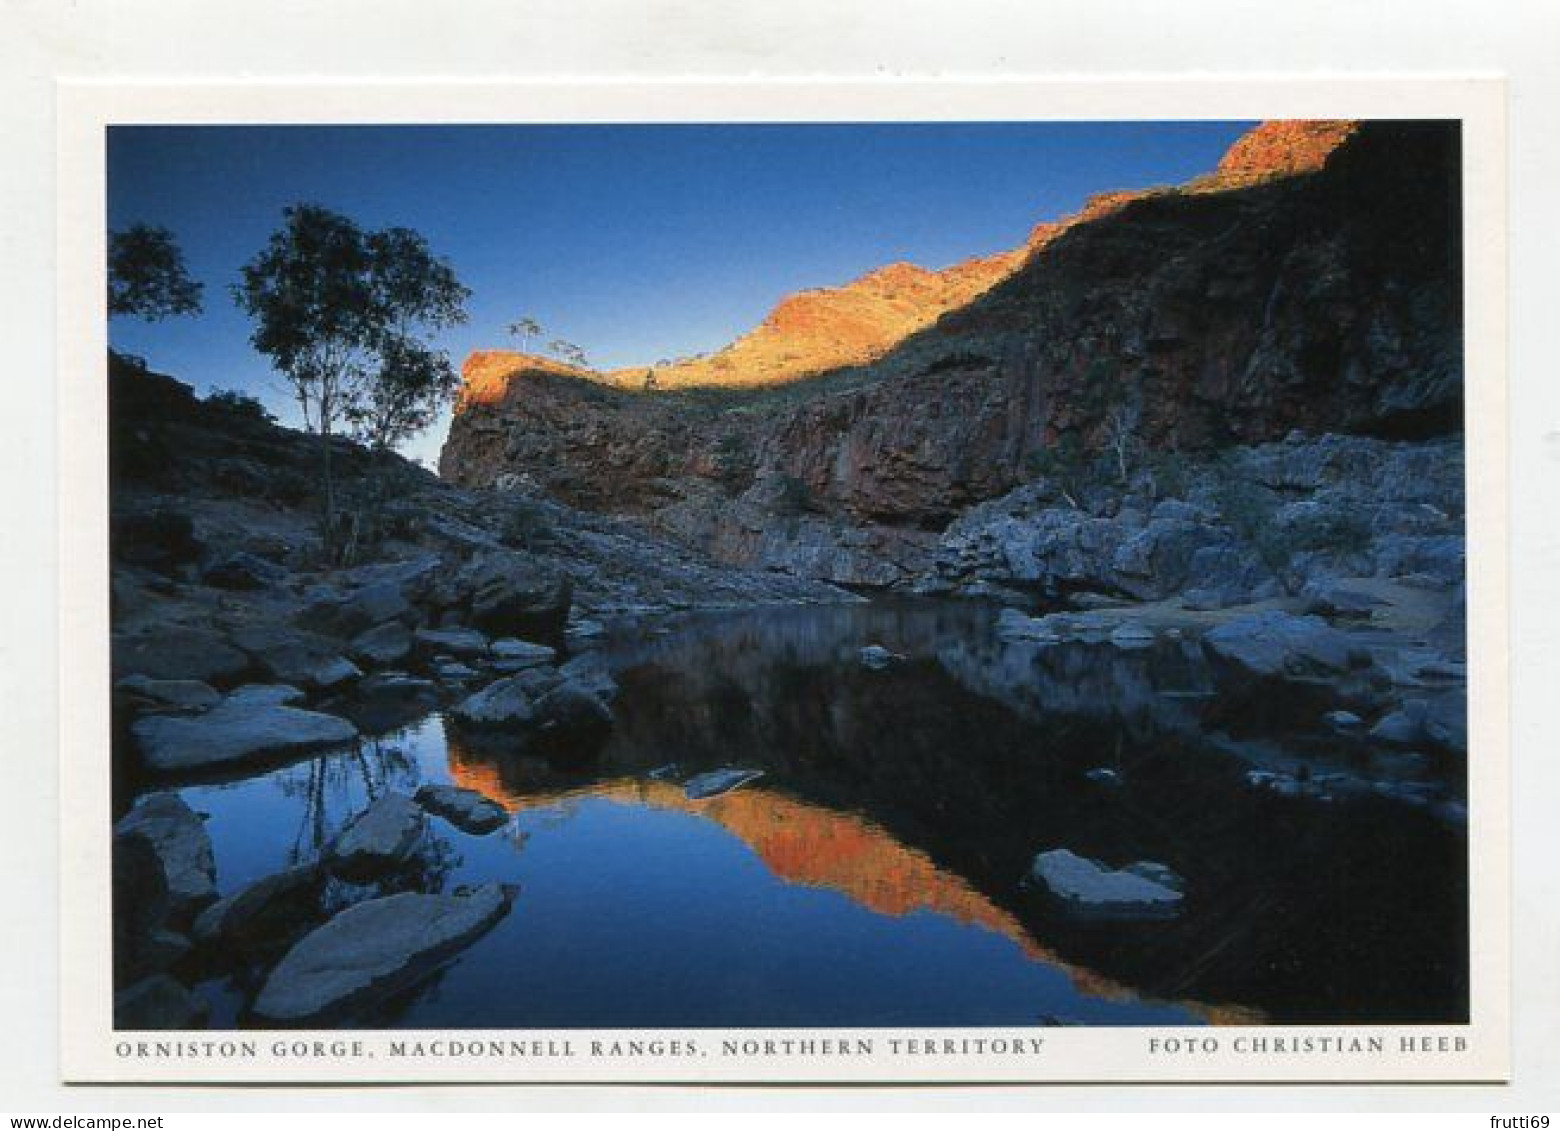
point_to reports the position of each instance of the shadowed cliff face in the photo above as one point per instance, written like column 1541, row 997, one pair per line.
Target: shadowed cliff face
column 1311, row 281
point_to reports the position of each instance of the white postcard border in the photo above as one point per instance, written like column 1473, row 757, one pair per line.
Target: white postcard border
column 91, row 1051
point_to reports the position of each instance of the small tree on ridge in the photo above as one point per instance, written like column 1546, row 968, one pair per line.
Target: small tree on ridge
column 338, row 310
column 147, row 278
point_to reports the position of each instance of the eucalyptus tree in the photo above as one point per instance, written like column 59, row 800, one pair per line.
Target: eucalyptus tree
column 339, row 312
column 525, row 328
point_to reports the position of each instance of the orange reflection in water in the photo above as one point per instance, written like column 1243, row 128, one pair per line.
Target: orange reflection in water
column 816, row 847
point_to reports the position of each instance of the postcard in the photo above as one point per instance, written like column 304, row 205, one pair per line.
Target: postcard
column 725, row 582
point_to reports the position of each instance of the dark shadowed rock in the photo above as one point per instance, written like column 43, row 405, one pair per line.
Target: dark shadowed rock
column 266, row 694
column 373, row 950
column 181, row 653
column 1402, row 727
column 387, row 700
column 1339, row 599
column 509, row 594
column 241, row 570
column 160, row 539
column 1201, row 600
column 183, row 848
column 389, row 643
column 716, row 782
column 1130, row 634
column 158, row 1002
column 1343, row 721
column 463, row 642
column 296, row 657
column 178, row 694
column 1439, row 560
column 590, row 673
column 569, row 720
column 1445, row 720
column 508, row 702
column 142, row 944
column 522, row 653
column 352, row 613
column 268, row 912
column 875, row 657
column 1451, row 633
column 379, row 839
column 235, row 730
column 1088, row 889
column 466, row 809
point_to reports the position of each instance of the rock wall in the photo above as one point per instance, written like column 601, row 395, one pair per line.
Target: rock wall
column 1311, row 282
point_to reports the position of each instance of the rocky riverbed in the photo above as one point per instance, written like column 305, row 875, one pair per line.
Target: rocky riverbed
column 1143, row 833
column 336, row 785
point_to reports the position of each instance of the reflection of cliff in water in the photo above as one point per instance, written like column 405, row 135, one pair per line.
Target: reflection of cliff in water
column 973, row 755
column 815, row 847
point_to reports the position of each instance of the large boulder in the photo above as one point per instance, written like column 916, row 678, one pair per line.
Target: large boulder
column 386, row 644
column 179, row 652
column 518, row 655
column 509, row 702
column 158, row 539
column 142, row 943
column 569, row 719
column 1089, row 889
column 1439, row 559
column 1279, row 645
column 379, row 839
column 374, row 950
column 1157, row 560
column 242, row 570
column 266, row 694
column 509, row 594
column 1445, row 720
column 299, row 658
column 183, row 848
column 158, row 1002
column 1436, row 719
column 1332, row 598
column 450, row 641
column 352, row 613
column 239, row 728
column 267, row 913
column 173, row 694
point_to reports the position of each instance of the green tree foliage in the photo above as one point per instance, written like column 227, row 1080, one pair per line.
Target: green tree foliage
column 415, row 293
column 146, row 275
column 339, row 311
column 412, row 384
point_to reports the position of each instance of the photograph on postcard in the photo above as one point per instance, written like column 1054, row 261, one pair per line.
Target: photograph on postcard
column 788, row 575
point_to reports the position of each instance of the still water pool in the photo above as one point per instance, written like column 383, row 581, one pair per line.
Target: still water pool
column 872, row 876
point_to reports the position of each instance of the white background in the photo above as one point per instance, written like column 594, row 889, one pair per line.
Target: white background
column 217, row 39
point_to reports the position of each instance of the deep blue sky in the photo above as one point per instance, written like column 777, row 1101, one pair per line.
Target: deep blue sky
column 634, row 242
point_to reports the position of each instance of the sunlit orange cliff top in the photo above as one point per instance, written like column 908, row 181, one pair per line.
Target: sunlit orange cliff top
column 826, row 328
